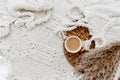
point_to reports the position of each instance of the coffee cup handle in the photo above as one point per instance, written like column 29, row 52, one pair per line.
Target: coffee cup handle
column 86, row 45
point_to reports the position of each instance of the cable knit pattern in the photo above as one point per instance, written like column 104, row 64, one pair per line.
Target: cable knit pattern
column 31, row 33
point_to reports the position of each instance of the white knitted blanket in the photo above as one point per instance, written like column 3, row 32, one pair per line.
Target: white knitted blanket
column 31, row 37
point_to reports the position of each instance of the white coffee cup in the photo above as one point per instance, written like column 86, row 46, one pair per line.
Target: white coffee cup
column 73, row 44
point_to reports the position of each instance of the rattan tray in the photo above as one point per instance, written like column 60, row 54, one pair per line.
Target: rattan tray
column 83, row 34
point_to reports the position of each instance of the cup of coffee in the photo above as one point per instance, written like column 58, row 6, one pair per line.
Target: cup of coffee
column 73, row 44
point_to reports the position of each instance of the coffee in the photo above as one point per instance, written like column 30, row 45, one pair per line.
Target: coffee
column 73, row 44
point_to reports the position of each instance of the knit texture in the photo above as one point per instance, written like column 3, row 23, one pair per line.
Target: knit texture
column 31, row 33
